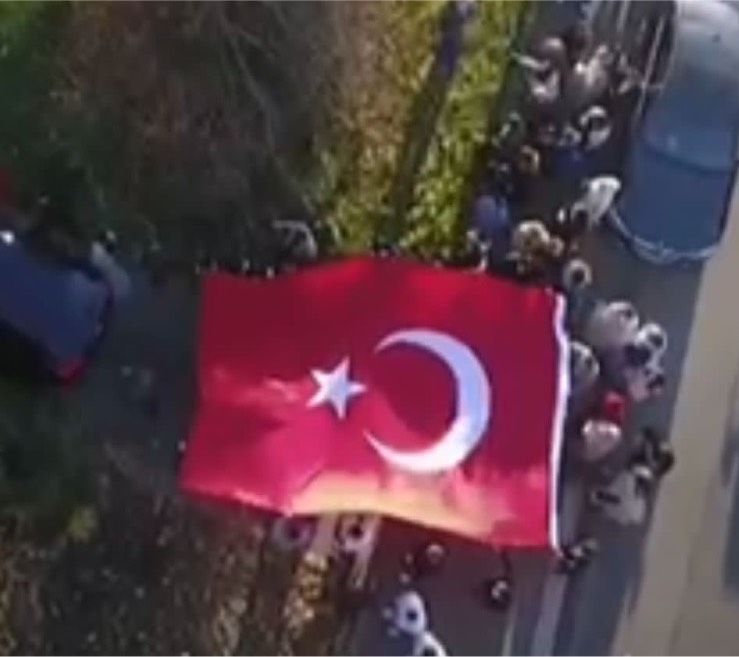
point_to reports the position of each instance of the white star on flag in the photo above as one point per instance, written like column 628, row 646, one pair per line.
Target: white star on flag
column 335, row 388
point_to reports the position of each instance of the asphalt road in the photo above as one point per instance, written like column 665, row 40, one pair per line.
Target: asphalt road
column 688, row 598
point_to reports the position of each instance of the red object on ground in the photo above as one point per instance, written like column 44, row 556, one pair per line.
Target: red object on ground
column 614, row 408
column 384, row 386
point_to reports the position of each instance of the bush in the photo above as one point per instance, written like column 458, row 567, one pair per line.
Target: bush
column 240, row 113
column 197, row 124
column 360, row 154
column 45, row 467
column 29, row 33
column 435, row 219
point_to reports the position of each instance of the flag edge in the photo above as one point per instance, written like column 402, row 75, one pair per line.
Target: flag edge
column 558, row 419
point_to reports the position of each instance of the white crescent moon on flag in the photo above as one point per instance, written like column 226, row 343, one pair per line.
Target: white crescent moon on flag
column 472, row 410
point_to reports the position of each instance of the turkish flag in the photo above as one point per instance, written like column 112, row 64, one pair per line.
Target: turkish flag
column 384, row 386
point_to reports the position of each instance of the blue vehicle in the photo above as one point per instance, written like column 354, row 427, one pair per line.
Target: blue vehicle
column 52, row 315
column 682, row 163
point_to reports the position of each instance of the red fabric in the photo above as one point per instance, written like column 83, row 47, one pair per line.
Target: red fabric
column 255, row 440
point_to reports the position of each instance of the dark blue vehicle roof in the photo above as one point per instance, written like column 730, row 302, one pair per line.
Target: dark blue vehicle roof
column 57, row 308
column 674, row 205
column 681, row 168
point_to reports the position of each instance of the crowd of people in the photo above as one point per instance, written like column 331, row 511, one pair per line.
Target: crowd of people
column 573, row 90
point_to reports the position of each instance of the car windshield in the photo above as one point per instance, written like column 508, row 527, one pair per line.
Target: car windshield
column 695, row 115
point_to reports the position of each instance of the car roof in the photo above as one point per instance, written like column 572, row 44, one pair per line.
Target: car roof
column 671, row 205
column 695, row 115
column 55, row 307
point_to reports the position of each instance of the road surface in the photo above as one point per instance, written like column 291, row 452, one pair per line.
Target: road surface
column 688, row 600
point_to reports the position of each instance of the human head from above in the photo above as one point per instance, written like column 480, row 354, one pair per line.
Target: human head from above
column 584, row 365
column 513, row 128
column 498, row 592
column 655, row 336
column 433, row 554
column 353, row 534
column 602, row 187
column 600, row 429
column 530, row 235
column 604, row 53
column 623, row 311
column 576, row 275
column 552, row 49
column 555, row 247
column 529, row 160
column 596, row 118
column 407, row 613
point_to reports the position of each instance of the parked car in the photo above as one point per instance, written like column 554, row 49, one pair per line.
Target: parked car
column 52, row 314
column 682, row 163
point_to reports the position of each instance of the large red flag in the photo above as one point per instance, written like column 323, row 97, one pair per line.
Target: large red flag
column 388, row 387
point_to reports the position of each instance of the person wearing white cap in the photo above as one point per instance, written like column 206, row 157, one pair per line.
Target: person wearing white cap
column 599, row 438
column 576, row 275
column 612, row 326
column 597, row 198
column 407, row 614
column 595, row 128
column 354, row 535
column 638, row 366
column 654, row 337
